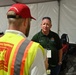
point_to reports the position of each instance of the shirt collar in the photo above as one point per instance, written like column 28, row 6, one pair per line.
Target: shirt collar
column 44, row 34
column 15, row 32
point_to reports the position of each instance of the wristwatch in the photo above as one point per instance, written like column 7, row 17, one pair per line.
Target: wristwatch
column 60, row 63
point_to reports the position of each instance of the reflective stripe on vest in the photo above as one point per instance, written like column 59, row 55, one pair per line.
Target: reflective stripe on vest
column 9, row 44
column 19, row 57
column 24, row 59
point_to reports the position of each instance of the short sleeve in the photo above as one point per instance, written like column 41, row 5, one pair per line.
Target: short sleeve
column 38, row 66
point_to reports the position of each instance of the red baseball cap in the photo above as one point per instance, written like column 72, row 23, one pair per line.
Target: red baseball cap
column 21, row 10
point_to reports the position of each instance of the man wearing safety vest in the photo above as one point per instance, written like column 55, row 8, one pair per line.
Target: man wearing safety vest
column 19, row 56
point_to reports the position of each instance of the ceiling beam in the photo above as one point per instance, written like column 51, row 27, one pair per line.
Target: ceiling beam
column 5, row 3
column 33, row 1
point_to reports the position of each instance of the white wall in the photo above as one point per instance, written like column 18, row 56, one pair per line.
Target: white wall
column 39, row 10
column 68, row 19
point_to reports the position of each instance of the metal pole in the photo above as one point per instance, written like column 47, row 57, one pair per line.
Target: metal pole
column 59, row 16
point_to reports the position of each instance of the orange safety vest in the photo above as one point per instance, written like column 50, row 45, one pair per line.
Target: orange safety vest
column 16, row 54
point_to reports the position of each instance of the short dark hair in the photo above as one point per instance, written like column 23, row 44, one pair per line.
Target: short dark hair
column 46, row 18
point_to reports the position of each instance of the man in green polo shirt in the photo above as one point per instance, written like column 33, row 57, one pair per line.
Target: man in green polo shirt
column 51, row 42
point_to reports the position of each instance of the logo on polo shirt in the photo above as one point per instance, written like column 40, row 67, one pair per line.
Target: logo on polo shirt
column 52, row 39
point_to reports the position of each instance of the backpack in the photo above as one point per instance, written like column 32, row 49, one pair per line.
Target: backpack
column 64, row 38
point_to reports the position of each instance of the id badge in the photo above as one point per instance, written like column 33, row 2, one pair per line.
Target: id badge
column 49, row 54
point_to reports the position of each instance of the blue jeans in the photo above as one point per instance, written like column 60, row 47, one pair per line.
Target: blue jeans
column 55, row 70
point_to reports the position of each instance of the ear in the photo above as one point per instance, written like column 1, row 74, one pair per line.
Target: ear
column 41, row 25
column 24, row 22
column 50, row 25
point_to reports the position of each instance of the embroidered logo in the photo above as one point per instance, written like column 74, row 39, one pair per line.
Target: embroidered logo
column 52, row 39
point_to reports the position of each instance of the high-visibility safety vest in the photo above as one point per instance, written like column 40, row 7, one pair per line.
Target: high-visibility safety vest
column 16, row 54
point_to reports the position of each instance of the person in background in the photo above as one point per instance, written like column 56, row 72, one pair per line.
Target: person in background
column 18, row 55
column 1, row 34
column 51, row 42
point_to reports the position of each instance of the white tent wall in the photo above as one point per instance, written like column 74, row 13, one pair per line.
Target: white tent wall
column 43, row 9
column 3, row 20
column 66, row 19
column 38, row 10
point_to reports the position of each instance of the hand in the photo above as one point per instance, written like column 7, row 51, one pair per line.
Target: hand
column 59, row 63
column 46, row 63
